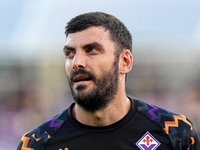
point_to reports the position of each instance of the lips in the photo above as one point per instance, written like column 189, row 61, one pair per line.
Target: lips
column 81, row 77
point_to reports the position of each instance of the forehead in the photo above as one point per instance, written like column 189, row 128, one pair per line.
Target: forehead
column 90, row 35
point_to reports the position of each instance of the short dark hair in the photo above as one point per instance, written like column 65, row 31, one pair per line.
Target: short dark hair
column 118, row 31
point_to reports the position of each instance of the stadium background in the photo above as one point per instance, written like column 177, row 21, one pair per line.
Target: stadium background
column 33, row 83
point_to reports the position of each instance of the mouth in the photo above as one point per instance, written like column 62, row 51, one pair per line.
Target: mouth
column 81, row 78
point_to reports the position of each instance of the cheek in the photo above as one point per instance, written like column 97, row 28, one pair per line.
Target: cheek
column 68, row 67
column 106, row 64
column 100, row 69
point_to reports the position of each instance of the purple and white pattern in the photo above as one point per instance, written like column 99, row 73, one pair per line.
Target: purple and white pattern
column 148, row 142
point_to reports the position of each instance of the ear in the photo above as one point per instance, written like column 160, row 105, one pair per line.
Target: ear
column 125, row 62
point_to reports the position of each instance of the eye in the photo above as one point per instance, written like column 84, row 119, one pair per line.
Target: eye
column 92, row 50
column 69, row 53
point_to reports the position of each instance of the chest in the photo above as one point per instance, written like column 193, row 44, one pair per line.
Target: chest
column 129, row 137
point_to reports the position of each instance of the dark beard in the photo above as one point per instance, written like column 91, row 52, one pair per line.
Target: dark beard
column 99, row 97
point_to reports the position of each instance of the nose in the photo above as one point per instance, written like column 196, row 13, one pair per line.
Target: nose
column 79, row 60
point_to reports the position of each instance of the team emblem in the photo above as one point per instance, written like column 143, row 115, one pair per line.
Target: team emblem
column 148, row 142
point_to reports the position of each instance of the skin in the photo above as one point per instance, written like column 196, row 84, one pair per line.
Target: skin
column 97, row 58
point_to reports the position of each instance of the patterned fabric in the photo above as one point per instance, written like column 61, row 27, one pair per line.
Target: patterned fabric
column 179, row 129
column 37, row 138
column 170, row 129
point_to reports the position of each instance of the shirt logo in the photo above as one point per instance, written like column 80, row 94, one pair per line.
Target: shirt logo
column 148, row 142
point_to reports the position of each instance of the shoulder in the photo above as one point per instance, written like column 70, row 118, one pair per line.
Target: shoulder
column 179, row 128
column 38, row 137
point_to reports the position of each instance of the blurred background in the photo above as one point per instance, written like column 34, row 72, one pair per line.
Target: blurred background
column 33, row 83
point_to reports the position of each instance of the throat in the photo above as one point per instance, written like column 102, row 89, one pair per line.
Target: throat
column 98, row 118
column 103, row 117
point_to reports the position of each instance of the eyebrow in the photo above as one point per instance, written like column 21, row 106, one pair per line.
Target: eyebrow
column 95, row 44
column 68, row 48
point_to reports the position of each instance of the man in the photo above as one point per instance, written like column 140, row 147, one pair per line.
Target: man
column 98, row 58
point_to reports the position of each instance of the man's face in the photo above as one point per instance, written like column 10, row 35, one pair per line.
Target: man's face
column 92, row 67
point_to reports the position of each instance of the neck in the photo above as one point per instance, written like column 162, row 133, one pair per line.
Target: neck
column 114, row 112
